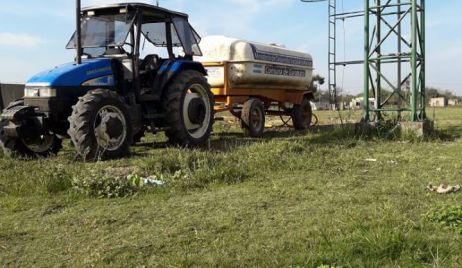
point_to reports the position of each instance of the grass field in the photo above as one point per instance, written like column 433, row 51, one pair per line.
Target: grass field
column 286, row 200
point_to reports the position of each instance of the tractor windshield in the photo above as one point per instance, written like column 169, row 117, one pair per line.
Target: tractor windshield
column 104, row 31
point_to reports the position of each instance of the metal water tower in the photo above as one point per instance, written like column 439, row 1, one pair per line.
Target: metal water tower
column 386, row 20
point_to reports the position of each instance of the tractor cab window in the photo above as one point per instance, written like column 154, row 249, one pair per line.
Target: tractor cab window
column 156, row 33
column 183, row 36
column 94, row 52
column 188, row 37
column 104, row 31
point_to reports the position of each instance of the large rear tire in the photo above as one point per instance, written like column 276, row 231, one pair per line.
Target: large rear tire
column 100, row 126
column 302, row 115
column 189, row 110
column 44, row 146
column 253, row 118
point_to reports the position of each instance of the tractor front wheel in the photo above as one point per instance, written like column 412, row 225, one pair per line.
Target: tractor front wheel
column 100, row 126
column 44, row 145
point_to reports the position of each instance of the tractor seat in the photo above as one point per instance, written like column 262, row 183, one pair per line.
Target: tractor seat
column 151, row 62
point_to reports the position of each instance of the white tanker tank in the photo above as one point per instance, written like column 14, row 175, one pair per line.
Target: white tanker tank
column 255, row 65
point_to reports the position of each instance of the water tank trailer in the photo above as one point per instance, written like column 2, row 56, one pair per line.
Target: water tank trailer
column 250, row 79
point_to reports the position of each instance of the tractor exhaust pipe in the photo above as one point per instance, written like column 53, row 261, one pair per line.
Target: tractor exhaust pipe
column 78, row 32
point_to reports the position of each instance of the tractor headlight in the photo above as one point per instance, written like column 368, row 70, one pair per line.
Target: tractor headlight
column 47, row 92
column 39, row 92
column 31, row 92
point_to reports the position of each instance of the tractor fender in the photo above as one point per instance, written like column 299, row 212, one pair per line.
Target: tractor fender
column 170, row 69
column 16, row 116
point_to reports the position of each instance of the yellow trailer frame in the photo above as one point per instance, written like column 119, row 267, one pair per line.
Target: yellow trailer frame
column 251, row 105
column 226, row 97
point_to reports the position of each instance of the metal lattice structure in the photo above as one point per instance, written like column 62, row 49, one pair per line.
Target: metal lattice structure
column 332, row 47
column 386, row 22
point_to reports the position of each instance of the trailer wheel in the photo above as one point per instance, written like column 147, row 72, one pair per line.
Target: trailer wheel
column 43, row 146
column 302, row 115
column 100, row 126
column 189, row 109
column 253, row 118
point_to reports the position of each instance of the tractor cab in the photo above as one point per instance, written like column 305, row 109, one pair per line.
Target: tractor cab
column 120, row 32
column 110, row 96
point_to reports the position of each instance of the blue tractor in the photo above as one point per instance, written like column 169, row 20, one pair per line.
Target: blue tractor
column 110, row 96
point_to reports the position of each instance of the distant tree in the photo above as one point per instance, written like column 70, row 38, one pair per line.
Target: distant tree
column 316, row 82
column 315, row 86
column 432, row 92
column 322, row 95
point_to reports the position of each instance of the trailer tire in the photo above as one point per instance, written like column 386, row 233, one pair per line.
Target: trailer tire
column 253, row 118
column 188, row 104
column 302, row 115
column 100, row 126
column 17, row 148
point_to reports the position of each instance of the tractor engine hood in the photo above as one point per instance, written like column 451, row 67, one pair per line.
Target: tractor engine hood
column 92, row 72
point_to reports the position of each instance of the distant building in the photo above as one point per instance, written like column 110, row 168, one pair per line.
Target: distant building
column 344, row 106
column 320, row 106
column 439, row 102
column 358, row 103
column 453, row 102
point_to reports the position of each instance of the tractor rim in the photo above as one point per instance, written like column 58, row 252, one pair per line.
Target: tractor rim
column 110, row 128
column 197, row 111
column 41, row 145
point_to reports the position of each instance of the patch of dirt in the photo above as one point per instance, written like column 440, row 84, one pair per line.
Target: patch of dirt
column 53, row 209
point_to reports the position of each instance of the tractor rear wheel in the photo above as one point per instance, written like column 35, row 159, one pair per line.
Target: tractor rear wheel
column 100, row 126
column 302, row 115
column 189, row 110
column 44, row 145
column 253, row 118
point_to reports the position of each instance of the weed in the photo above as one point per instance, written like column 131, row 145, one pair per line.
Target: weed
column 102, row 185
column 448, row 216
column 59, row 179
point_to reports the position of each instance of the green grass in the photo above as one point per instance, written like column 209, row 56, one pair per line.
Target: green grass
column 286, row 200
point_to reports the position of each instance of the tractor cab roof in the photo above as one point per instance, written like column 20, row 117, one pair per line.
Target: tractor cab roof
column 150, row 13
